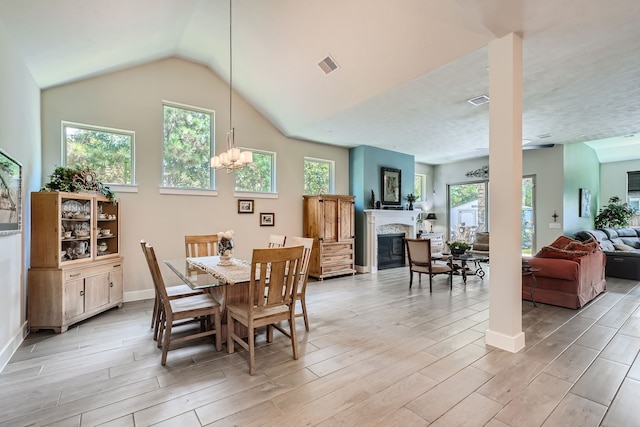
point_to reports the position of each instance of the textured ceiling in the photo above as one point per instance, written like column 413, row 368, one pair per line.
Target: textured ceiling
column 407, row 67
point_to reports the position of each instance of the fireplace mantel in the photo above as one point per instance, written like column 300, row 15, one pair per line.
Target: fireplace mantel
column 377, row 219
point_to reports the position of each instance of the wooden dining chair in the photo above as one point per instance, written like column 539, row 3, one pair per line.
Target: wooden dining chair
column 421, row 261
column 197, row 308
column 276, row 240
column 271, row 299
column 173, row 292
column 301, row 290
column 201, row 245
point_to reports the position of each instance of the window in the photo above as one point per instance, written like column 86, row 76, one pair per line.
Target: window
column 318, row 176
column 420, row 187
column 187, row 146
column 259, row 176
column 633, row 190
column 108, row 152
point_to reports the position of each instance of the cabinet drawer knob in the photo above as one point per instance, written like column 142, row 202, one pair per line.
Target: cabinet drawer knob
column 111, row 284
column 81, row 293
column 116, row 266
column 74, row 275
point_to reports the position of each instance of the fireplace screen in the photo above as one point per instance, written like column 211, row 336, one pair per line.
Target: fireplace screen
column 391, row 251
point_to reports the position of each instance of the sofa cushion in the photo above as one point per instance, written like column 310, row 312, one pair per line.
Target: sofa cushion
column 631, row 241
column 623, row 247
column 551, row 252
column 480, row 246
column 611, row 233
column 561, row 242
column 626, row 232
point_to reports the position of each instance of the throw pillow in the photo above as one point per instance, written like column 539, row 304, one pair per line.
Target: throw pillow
column 582, row 246
column 551, row 252
column 480, row 247
column 561, row 242
column 623, row 247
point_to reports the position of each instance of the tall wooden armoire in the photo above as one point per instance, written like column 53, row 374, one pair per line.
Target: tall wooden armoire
column 329, row 220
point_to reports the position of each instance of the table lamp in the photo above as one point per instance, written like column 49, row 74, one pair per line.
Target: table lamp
column 431, row 217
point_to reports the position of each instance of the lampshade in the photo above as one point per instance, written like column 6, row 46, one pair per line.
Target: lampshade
column 431, row 216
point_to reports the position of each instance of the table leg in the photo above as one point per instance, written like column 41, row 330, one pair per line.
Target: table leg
column 463, row 264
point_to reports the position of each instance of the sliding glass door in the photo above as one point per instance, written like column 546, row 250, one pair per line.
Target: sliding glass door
column 468, row 211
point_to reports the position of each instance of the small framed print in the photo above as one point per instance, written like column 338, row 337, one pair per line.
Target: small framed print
column 245, row 206
column 267, row 219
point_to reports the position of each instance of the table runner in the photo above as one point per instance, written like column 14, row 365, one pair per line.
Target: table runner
column 239, row 271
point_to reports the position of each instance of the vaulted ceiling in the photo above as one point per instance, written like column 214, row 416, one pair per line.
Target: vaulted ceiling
column 406, row 68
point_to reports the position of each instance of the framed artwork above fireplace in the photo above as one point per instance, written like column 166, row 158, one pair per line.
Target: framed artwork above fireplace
column 391, row 185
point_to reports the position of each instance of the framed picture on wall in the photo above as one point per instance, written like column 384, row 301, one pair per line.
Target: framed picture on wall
column 391, row 185
column 585, row 203
column 267, row 219
column 10, row 195
column 245, row 206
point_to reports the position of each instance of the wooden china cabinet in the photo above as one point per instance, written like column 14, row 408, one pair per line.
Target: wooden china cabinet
column 76, row 268
column 329, row 219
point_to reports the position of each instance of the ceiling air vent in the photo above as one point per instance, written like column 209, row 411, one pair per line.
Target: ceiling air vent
column 328, row 65
column 479, row 100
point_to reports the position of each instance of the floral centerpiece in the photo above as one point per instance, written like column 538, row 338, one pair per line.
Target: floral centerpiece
column 225, row 247
column 458, row 248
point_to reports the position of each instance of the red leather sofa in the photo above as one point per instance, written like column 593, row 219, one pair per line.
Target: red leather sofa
column 571, row 273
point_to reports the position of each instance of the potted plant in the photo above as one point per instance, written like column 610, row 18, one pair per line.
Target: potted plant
column 75, row 180
column 411, row 198
column 458, row 248
column 615, row 215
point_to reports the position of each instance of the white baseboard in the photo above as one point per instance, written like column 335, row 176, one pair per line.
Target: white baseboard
column 505, row 342
column 12, row 345
column 139, row 295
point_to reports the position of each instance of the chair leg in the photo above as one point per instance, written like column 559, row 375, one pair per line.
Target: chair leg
column 154, row 314
column 218, row 325
column 230, row 329
column 294, row 339
column 162, row 320
column 165, row 345
column 410, row 278
column 430, row 282
column 252, row 344
column 303, row 303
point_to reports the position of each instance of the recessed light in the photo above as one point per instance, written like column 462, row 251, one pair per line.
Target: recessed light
column 526, row 141
column 544, row 135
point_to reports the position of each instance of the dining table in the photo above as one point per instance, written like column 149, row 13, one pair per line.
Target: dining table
column 227, row 282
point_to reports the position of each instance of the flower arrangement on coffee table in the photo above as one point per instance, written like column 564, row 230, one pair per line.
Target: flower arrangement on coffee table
column 458, row 248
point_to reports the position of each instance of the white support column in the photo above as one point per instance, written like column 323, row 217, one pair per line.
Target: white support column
column 505, row 188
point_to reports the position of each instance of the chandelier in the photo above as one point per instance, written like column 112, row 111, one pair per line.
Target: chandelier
column 233, row 158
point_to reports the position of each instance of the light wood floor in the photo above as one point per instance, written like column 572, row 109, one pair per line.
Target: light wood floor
column 377, row 354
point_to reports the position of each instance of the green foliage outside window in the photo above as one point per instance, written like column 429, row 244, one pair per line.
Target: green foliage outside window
column 461, row 194
column 108, row 153
column 257, row 177
column 317, row 177
column 187, row 148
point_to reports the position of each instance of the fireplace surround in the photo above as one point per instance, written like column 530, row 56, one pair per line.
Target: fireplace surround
column 382, row 221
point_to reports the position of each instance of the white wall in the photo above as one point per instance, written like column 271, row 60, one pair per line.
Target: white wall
column 132, row 99
column 20, row 138
column 547, row 166
column 613, row 179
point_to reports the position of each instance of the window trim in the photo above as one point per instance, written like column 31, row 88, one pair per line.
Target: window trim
column 423, row 189
column 63, row 161
column 274, row 186
column 332, row 171
column 212, row 148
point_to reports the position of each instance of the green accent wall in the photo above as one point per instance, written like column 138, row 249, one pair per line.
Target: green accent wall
column 581, row 170
column 365, row 165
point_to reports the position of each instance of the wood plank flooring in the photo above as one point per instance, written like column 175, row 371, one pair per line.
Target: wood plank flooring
column 378, row 353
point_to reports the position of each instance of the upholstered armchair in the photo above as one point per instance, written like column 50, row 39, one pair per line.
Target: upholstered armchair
column 480, row 245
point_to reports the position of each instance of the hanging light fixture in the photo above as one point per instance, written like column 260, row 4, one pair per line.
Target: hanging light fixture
column 233, row 158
